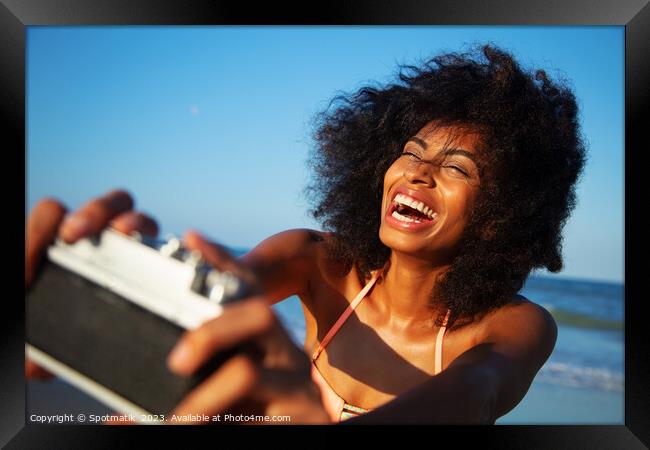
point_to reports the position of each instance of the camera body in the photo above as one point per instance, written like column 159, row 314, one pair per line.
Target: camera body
column 104, row 313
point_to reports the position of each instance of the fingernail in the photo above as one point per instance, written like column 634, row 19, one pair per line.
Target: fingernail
column 131, row 222
column 179, row 356
column 75, row 227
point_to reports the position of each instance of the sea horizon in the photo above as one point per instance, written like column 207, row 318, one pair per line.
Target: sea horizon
column 238, row 251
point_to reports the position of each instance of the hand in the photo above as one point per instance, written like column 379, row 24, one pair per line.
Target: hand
column 46, row 221
column 274, row 382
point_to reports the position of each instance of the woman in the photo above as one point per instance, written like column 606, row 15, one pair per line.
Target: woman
column 440, row 194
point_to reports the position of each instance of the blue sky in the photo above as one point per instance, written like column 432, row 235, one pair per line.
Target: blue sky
column 210, row 127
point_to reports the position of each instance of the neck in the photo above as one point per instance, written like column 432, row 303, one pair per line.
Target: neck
column 404, row 295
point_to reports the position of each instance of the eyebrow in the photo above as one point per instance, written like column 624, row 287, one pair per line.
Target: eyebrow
column 449, row 151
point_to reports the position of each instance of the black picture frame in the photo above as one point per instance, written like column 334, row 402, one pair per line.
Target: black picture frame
column 16, row 15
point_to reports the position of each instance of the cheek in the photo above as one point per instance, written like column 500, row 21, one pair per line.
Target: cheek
column 390, row 177
column 392, row 173
column 462, row 201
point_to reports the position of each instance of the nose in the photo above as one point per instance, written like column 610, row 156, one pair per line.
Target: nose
column 421, row 172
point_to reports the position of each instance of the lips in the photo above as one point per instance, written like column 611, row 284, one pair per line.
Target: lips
column 402, row 197
column 409, row 208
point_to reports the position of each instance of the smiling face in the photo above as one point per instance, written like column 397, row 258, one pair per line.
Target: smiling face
column 429, row 192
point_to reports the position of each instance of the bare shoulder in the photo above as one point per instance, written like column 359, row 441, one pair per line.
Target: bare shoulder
column 514, row 341
column 522, row 326
column 523, row 310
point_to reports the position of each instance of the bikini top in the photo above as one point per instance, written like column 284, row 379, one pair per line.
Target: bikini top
column 337, row 408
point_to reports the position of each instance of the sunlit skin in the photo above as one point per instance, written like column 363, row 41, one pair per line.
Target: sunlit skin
column 382, row 358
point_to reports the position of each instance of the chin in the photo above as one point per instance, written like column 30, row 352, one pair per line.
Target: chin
column 401, row 242
column 415, row 246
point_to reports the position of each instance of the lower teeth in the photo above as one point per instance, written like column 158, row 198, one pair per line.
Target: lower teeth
column 398, row 216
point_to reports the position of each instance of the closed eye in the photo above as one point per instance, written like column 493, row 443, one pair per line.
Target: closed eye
column 458, row 169
column 412, row 155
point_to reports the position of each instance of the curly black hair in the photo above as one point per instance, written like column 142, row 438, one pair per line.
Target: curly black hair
column 530, row 158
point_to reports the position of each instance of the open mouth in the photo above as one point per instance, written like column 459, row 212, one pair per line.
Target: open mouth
column 409, row 210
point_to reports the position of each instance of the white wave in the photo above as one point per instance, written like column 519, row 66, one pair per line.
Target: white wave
column 575, row 376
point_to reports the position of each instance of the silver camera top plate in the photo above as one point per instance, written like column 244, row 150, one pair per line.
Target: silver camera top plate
column 161, row 277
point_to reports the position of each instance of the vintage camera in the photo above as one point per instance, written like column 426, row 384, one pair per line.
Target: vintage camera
column 105, row 312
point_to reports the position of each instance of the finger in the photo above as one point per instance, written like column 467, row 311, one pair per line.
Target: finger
column 238, row 322
column 91, row 218
column 42, row 225
column 131, row 221
column 215, row 254
column 278, row 383
column 227, row 386
column 289, row 393
column 33, row 371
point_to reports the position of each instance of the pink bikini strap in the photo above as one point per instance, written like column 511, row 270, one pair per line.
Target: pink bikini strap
column 330, row 334
column 441, row 333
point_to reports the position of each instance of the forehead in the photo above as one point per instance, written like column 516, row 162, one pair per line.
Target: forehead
column 438, row 136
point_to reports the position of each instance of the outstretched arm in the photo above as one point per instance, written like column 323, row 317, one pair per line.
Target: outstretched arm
column 283, row 263
column 485, row 382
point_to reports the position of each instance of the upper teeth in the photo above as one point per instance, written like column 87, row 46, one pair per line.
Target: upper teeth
column 415, row 204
